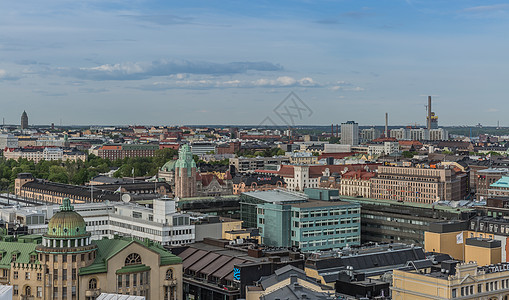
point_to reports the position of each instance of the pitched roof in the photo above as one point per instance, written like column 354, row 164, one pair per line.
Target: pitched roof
column 107, row 248
column 22, row 249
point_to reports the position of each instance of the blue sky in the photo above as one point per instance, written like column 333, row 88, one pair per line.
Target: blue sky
column 234, row 62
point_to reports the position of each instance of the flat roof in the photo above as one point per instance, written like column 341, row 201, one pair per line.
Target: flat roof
column 276, row 196
column 409, row 204
column 319, row 203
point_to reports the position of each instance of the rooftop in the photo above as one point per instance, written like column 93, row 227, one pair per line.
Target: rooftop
column 277, row 196
column 319, row 203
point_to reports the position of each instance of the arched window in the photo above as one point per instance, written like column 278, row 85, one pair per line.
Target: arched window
column 28, row 291
column 92, row 284
column 169, row 274
column 133, row 259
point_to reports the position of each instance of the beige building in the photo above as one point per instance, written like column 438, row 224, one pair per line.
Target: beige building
column 454, row 281
column 68, row 265
column 356, row 184
column 36, row 155
column 423, row 184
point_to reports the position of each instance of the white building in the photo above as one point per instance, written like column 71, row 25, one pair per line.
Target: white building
column 300, row 179
column 383, row 149
column 161, row 224
column 8, row 141
column 439, row 134
column 350, row 133
column 369, row 134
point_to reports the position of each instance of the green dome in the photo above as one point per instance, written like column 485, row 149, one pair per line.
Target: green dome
column 168, row 166
column 66, row 223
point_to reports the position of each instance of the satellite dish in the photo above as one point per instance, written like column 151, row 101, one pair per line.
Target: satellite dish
column 126, row 198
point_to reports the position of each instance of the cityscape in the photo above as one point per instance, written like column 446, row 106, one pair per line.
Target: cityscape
column 330, row 150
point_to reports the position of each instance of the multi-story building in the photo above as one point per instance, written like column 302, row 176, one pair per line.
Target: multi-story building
column 453, row 280
column 317, row 225
column 389, row 221
column 250, row 164
column 69, row 265
column 424, row 184
column 484, row 179
column 287, row 219
column 500, row 187
column 356, row 183
column 438, row 134
column 121, row 151
column 350, row 133
column 299, row 158
column 160, row 223
column 242, row 184
column 383, row 149
column 8, row 141
column 369, row 134
column 200, row 148
column 36, row 155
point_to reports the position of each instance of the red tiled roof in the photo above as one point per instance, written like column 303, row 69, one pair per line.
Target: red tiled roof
column 336, row 155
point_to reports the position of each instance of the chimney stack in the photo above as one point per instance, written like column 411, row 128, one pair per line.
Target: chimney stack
column 386, row 125
column 429, row 112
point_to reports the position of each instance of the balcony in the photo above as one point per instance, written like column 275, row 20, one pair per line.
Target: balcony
column 93, row 293
column 170, row 282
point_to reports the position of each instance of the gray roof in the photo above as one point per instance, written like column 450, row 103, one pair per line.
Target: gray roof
column 277, row 196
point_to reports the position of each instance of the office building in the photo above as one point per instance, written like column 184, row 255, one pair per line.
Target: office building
column 421, row 183
column 369, row 134
column 350, row 133
column 121, row 151
column 8, row 141
column 250, row 164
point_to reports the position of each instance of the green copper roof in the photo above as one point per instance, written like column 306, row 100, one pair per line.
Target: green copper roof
column 185, row 160
column 66, row 223
column 169, row 166
column 107, row 248
column 502, row 182
column 23, row 251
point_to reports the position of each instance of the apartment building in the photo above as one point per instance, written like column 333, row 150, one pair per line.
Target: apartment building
column 121, row 151
column 250, row 164
column 423, row 184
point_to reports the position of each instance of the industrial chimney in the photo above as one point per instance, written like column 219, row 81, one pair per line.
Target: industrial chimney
column 429, row 112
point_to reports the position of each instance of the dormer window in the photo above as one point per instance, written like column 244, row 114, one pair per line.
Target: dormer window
column 33, row 258
column 14, row 257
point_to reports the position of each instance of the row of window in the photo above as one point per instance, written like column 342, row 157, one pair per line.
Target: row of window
column 488, row 287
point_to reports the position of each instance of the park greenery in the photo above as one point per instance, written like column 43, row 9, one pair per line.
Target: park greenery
column 80, row 172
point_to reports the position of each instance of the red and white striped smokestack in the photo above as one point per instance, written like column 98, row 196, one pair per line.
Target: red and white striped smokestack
column 429, row 112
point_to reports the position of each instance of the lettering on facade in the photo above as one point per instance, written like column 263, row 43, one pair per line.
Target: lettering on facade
column 498, row 268
column 236, row 274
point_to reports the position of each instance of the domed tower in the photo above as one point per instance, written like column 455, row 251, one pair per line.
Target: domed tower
column 64, row 250
column 185, row 173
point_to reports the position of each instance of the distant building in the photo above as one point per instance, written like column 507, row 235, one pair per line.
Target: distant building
column 185, row 173
column 370, row 134
column 24, row 120
column 357, row 183
column 121, row 151
column 200, row 148
column 350, row 133
column 383, row 149
column 250, row 164
column 8, row 141
column 420, row 184
column 37, row 155
column 242, row 184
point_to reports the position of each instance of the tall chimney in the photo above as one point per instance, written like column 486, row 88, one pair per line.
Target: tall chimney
column 429, row 112
column 386, row 125
column 332, row 130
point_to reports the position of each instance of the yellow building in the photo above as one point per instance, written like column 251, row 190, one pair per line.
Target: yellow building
column 453, row 280
column 454, row 238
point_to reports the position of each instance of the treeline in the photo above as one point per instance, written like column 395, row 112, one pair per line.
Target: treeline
column 81, row 172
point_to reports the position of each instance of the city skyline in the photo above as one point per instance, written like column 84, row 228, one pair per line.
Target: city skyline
column 152, row 62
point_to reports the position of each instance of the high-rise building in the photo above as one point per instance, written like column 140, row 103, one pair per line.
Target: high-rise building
column 24, row 120
column 185, row 173
column 350, row 133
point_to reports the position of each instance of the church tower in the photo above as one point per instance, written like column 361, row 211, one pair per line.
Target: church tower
column 185, row 173
column 24, row 120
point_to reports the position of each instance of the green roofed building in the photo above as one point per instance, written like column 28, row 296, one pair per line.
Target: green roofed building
column 69, row 265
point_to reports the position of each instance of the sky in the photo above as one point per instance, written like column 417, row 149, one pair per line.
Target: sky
column 114, row 62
